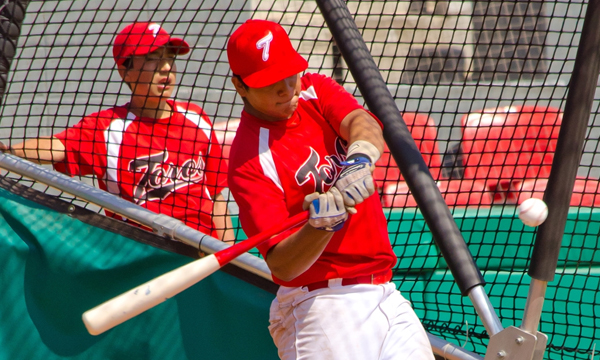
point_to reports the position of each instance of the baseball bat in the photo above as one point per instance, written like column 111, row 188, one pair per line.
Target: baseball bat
column 135, row 301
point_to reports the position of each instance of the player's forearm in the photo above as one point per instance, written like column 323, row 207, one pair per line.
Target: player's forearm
column 221, row 220
column 294, row 255
column 41, row 150
column 359, row 125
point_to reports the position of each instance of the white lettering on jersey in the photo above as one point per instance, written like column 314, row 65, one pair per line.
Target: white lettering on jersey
column 321, row 176
column 265, row 44
column 155, row 28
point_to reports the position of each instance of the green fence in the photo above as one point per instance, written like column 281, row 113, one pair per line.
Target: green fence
column 55, row 267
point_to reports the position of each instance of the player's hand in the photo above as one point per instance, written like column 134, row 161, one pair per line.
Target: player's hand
column 355, row 181
column 327, row 211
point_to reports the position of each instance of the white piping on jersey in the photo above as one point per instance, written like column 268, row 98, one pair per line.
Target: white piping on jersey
column 266, row 158
column 114, row 138
column 308, row 94
column 200, row 122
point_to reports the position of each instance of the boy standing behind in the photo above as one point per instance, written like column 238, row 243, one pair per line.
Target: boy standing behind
column 154, row 151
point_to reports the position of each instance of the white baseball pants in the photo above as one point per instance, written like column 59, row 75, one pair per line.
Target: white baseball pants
column 361, row 322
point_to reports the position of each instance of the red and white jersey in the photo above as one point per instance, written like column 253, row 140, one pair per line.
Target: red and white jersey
column 274, row 165
column 172, row 166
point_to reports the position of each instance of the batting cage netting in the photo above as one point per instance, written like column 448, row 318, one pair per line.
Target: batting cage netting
column 481, row 85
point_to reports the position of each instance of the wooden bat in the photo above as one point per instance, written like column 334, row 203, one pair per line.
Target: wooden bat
column 135, row 301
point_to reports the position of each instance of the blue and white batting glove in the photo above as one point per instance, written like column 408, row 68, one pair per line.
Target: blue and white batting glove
column 327, row 211
column 355, row 181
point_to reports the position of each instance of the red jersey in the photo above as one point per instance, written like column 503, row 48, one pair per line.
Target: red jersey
column 172, row 166
column 274, row 165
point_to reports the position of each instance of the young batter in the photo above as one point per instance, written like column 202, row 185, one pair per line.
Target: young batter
column 306, row 143
column 154, row 151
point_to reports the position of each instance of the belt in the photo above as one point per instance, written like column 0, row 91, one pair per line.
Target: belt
column 374, row 279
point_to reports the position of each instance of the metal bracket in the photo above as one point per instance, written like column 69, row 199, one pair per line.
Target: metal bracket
column 513, row 343
column 165, row 225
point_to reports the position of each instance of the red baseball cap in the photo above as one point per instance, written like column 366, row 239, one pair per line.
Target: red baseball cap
column 143, row 38
column 261, row 53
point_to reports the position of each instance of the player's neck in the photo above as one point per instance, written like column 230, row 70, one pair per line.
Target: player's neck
column 149, row 109
column 260, row 115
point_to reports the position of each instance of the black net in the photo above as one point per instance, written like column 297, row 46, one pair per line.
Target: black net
column 481, row 85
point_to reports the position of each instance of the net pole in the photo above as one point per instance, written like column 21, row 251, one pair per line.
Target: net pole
column 401, row 144
column 566, row 162
column 12, row 15
column 161, row 224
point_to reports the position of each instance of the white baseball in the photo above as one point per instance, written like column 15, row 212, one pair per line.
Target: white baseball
column 533, row 212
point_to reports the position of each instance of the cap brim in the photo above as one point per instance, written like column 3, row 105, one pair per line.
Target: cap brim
column 180, row 46
column 273, row 74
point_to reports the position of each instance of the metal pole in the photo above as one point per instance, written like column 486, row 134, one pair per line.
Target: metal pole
column 160, row 223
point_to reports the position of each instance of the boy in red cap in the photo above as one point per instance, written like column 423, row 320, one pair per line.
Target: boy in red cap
column 154, row 151
column 305, row 143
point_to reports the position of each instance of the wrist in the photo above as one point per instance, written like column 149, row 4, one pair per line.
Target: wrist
column 362, row 148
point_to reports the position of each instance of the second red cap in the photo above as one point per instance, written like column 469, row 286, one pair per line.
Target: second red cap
column 143, row 38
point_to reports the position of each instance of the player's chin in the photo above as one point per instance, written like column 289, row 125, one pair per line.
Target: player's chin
column 287, row 110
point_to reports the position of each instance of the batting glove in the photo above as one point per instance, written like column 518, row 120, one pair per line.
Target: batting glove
column 355, row 181
column 327, row 211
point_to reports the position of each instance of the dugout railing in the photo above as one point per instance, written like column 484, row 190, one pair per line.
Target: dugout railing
column 496, row 63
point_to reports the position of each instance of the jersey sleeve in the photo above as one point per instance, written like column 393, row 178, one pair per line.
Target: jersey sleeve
column 335, row 102
column 216, row 167
column 216, row 164
column 84, row 145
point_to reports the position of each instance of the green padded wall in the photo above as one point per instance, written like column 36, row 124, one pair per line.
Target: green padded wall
column 55, row 267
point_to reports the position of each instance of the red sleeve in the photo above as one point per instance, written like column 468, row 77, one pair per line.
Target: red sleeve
column 334, row 101
column 216, row 164
column 84, row 148
column 216, row 167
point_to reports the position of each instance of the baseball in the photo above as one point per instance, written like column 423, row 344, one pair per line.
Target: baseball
column 533, row 212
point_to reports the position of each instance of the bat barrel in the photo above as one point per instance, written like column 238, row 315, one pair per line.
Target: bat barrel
column 134, row 302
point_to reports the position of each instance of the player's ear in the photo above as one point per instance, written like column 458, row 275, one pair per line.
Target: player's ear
column 240, row 87
column 122, row 71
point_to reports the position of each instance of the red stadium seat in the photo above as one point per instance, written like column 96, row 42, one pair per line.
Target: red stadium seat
column 508, row 143
column 455, row 193
column 424, row 132
column 585, row 191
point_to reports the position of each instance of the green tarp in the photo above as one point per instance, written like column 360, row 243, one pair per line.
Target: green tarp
column 55, row 267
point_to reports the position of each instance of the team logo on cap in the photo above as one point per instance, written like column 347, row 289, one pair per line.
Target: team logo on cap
column 265, row 44
column 155, row 28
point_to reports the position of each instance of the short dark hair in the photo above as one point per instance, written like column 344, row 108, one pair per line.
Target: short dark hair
column 127, row 63
column 242, row 81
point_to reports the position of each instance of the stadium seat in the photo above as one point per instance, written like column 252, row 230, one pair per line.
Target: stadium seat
column 585, row 191
column 512, row 142
column 424, row 133
column 455, row 193
column 507, row 144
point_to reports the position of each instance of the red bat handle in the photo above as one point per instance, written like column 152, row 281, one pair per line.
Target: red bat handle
column 226, row 255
